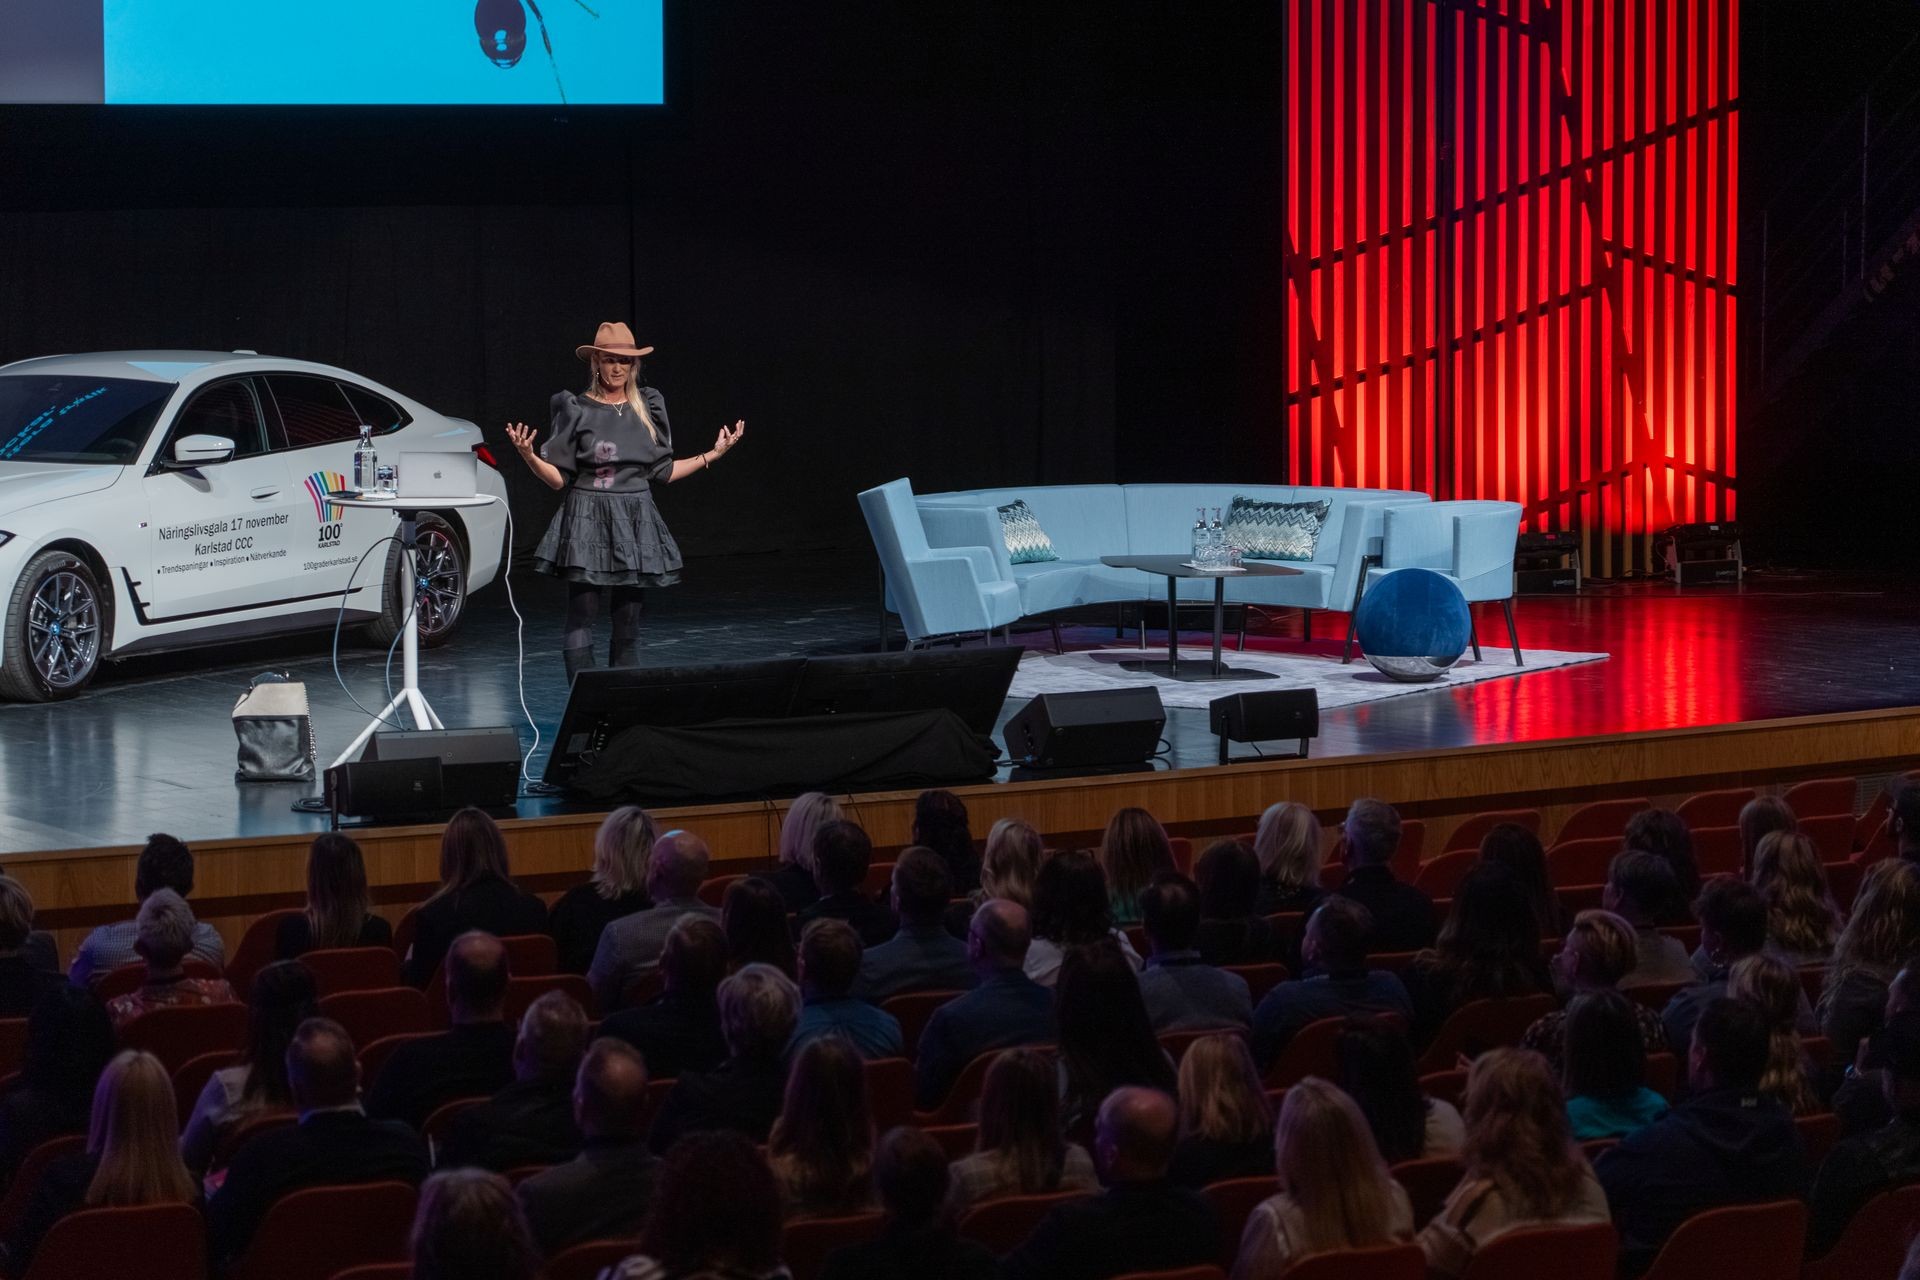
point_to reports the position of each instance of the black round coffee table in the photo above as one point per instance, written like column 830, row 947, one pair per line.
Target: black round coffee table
column 1174, row 568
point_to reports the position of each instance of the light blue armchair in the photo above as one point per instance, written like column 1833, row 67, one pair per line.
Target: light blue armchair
column 942, row 591
column 1470, row 542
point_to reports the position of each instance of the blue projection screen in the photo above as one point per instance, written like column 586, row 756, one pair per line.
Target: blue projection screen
column 333, row 52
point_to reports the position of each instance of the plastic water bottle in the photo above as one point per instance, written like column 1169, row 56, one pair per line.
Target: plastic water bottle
column 366, row 463
column 1201, row 543
column 1216, row 542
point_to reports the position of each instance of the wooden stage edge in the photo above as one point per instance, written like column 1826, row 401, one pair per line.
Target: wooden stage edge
column 239, row 879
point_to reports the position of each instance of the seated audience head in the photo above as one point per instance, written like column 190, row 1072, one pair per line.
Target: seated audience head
column 621, row 849
column 1220, row 1094
column 1170, row 912
column 684, row 1235
column 841, row 855
column 1518, row 852
column 1070, row 904
column 1664, row 834
column 134, row 1134
column 830, row 954
column 1601, row 949
column 165, row 863
column 1896, row 1046
column 281, row 998
column 822, row 1143
column 1883, row 931
column 1603, row 1051
column 469, row 1226
column 1759, row 818
column 1640, row 888
column 1375, row 1066
column 337, row 901
column 1011, row 861
column 910, row 1174
column 70, row 1040
column 1733, row 920
column 808, row 814
column 1287, row 846
column 1371, row 833
column 471, row 850
column 998, row 937
column 1228, row 877
column 694, row 957
column 922, row 887
column 759, row 1007
column 1331, row 1170
column 1020, row 1118
column 552, row 1036
column 610, row 1092
column 940, row 824
column 1518, row 1137
column 1106, row 1037
column 676, row 867
column 1135, row 1135
column 754, row 917
column 1801, row 914
column 1492, row 932
column 1772, row 986
column 1903, row 819
column 322, row 1071
column 16, row 915
column 165, row 931
column 1731, row 1044
column 1337, row 937
column 476, row 977
column 1133, row 850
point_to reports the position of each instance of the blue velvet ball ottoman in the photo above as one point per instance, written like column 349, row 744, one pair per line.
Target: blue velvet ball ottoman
column 1413, row 624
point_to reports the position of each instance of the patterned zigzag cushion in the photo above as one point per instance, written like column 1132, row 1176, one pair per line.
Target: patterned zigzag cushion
column 1275, row 530
column 1027, row 542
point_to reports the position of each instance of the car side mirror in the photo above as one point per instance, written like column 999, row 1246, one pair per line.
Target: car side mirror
column 200, row 451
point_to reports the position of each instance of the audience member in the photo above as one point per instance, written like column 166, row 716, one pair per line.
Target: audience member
column 759, row 1007
column 1733, row 926
column 1773, row 986
column 334, row 1144
column 472, row 1058
column 1639, row 886
column 1518, row 852
column 469, row 1227
column 1760, row 817
column 754, row 918
column 1603, row 1066
column 1802, row 917
column 1402, row 915
column 1903, row 820
column 1488, row 949
column 1335, row 1191
column 922, row 956
column 1600, row 952
column 1020, row 1151
column 1337, row 982
column 129, row 1157
column 1522, row 1169
column 531, row 1120
column 940, row 824
column 685, row 1237
column 630, row 946
column 1182, row 991
column 1375, row 1065
column 22, row 980
column 821, row 1147
column 1881, row 935
column 476, row 892
column 617, row 887
column 339, row 911
column 1228, row 876
column 1726, row 1144
column 1860, row 1100
column 679, row 1030
column 794, row 877
column 1287, row 845
column 604, row 1192
column 70, row 1040
column 1012, row 861
column 165, row 938
column 1226, row 1122
column 1141, row 1222
column 164, row 863
column 1071, row 908
column 1106, row 1040
column 1133, row 851
column 1664, row 834
column 1860, row 1167
column 281, row 998
column 829, row 964
column 917, row 1238
column 1006, row 1008
column 842, row 855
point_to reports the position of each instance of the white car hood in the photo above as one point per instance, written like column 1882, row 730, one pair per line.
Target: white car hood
column 28, row 484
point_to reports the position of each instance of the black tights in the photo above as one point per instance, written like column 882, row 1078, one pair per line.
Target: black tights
column 583, row 606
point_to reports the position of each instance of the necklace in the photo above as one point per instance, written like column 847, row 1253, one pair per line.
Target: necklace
column 618, row 406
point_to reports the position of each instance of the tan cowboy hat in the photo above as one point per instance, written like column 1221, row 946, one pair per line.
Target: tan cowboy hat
column 613, row 339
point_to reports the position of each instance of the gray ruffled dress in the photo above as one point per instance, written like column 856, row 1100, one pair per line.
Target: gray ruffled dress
column 607, row 532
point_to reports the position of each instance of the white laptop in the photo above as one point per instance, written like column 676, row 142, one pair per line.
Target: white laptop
column 439, row 475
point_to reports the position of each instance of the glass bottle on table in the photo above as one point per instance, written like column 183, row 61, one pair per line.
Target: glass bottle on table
column 1216, row 542
column 1200, row 537
column 366, row 464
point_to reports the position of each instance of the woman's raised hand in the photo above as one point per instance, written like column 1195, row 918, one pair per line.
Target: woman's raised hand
column 522, row 436
column 729, row 436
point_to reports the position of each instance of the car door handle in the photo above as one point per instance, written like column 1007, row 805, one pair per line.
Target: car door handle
column 262, row 494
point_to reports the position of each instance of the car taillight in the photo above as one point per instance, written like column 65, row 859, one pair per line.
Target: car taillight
column 485, row 455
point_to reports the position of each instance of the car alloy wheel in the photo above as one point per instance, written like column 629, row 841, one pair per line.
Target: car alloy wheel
column 63, row 630
column 440, row 582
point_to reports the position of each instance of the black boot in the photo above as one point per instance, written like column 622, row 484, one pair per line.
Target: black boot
column 626, row 652
column 577, row 660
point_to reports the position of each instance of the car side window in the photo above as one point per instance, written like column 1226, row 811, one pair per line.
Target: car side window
column 313, row 410
column 378, row 412
column 227, row 409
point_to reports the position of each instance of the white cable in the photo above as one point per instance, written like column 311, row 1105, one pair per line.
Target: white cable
column 520, row 644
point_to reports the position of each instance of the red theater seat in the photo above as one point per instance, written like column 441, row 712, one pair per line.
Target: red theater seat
column 1752, row 1241
column 1234, row 1201
column 1603, row 820
column 1428, row 1183
column 169, row 1240
column 257, row 948
column 587, row 1260
column 1441, row 876
column 193, row 1075
column 302, row 1236
column 1875, row 1242
column 181, row 1033
column 806, row 1242
column 337, row 969
column 1003, row 1224
column 1260, row 978
column 1821, row 798
column 1386, row 1262
column 1564, row 1253
column 958, row 1107
column 27, row 1178
column 913, row 1010
column 374, row 1056
column 889, row 1092
column 1715, row 808
column 129, row 977
column 375, row 1015
column 714, row 892
column 1480, row 1025
column 1470, row 833
column 1184, row 1273
column 1310, row 1052
column 1581, row 862
column 1717, row 851
column 522, row 992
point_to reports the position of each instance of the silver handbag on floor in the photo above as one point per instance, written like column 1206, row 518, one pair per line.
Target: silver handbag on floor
column 275, row 730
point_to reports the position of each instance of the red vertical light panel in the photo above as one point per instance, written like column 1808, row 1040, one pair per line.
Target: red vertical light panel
column 1510, row 256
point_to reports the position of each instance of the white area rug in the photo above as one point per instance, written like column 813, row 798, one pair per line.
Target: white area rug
column 1338, row 685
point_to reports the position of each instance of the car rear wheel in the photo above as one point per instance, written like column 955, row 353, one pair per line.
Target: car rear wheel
column 55, row 630
column 440, row 589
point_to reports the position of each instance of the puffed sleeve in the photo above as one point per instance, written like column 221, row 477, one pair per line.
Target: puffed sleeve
column 661, row 467
column 562, row 448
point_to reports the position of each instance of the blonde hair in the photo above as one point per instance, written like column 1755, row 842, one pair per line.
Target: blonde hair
column 1331, row 1169
column 1773, row 986
column 1518, row 1137
column 135, row 1135
column 1607, row 941
column 1287, row 843
column 635, row 400
column 1134, row 848
column 1220, row 1092
column 620, row 851
column 805, row 817
column 1011, row 861
column 1801, row 914
column 1884, row 929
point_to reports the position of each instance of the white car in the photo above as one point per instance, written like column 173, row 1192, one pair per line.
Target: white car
column 156, row 500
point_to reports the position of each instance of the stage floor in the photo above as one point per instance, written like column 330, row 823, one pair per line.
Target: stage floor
column 150, row 747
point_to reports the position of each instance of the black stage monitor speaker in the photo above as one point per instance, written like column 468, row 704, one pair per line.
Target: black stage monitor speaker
column 1087, row 730
column 971, row 683
column 386, row 788
column 479, row 767
column 1266, row 716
